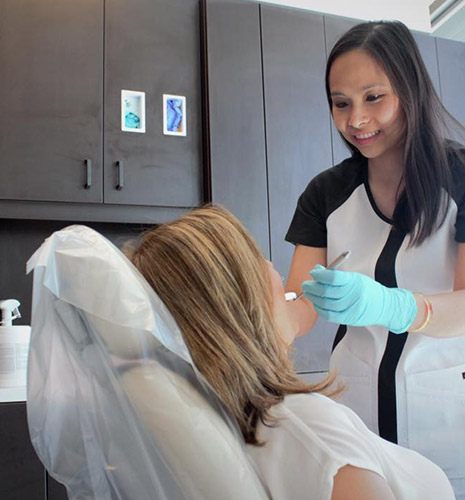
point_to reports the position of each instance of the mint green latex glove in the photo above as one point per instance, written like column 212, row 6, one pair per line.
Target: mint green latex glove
column 354, row 299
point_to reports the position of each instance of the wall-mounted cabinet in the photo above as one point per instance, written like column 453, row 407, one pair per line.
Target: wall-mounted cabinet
column 51, row 93
column 152, row 46
column 234, row 83
column 22, row 476
column 64, row 65
column 451, row 60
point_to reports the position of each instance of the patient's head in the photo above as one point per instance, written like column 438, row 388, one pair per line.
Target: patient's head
column 229, row 305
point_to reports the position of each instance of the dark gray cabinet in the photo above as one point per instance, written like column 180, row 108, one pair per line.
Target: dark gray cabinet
column 334, row 28
column 51, row 99
column 64, row 65
column 55, row 490
column 451, row 58
column 237, row 154
column 22, row 475
column 152, row 46
column 297, row 115
column 297, row 138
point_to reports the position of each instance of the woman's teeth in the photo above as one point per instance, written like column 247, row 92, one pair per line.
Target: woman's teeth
column 367, row 136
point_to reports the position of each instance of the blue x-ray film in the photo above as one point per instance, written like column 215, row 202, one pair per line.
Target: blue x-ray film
column 131, row 120
column 174, row 114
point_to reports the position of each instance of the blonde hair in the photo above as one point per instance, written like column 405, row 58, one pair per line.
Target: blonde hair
column 213, row 279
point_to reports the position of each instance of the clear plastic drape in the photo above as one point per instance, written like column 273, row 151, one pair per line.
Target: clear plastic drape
column 116, row 409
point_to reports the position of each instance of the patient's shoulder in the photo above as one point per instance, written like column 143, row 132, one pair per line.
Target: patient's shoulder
column 314, row 434
column 317, row 412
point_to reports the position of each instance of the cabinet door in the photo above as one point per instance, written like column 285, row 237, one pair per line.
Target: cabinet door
column 51, row 99
column 55, row 490
column 297, row 116
column 152, row 46
column 336, row 27
column 298, row 140
column 451, row 59
column 22, row 475
column 236, row 120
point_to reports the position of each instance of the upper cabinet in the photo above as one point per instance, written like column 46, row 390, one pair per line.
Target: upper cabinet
column 64, row 65
column 297, row 115
column 451, row 57
column 235, row 118
column 152, row 46
column 51, row 88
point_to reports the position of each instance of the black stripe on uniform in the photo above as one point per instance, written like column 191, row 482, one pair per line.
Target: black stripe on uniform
column 387, row 408
column 341, row 331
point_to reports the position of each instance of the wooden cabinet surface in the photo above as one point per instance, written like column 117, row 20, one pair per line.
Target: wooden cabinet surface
column 153, row 46
column 22, row 475
column 64, row 65
column 51, row 94
column 451, row 58
column 237, row 154
column 297, row 115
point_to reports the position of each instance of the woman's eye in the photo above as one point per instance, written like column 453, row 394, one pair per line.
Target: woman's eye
column 373, row 98
column 340, row 105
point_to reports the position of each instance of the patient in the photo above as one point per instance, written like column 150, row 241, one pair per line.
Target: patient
column 209, row 273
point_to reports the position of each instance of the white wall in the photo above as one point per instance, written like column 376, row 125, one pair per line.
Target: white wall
column 414, row 13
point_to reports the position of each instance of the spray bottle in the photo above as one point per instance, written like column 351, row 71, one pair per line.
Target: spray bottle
column 14, row 348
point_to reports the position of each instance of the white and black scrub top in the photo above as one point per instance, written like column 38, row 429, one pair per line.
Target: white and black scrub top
column 408, row 388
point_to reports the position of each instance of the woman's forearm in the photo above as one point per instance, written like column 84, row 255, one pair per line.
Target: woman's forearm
column 447, row 317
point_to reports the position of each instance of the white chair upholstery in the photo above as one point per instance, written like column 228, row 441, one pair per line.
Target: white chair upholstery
column 115, row 408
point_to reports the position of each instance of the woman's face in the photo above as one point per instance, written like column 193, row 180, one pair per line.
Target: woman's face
column 365, row 108
column 286, row 325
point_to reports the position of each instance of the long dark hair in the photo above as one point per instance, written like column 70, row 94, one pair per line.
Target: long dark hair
column 422, row 206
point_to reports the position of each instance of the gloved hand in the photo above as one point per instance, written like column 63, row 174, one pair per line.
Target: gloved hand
column 354, row 299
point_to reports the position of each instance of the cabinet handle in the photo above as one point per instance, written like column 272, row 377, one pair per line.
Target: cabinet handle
column 88, row 165
column 120, row 173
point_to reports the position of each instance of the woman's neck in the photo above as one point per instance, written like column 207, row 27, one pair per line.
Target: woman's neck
column 387, row 170
column 385, row 177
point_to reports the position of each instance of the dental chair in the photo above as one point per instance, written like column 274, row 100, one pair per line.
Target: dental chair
column 116, row 408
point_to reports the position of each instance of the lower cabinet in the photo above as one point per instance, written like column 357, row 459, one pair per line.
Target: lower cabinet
column 55, row 490
column 22, row 476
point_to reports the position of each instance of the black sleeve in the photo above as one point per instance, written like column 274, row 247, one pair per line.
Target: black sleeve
column 308, row 226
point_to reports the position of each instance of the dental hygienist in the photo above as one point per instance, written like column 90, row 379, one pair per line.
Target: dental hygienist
column 398, row 204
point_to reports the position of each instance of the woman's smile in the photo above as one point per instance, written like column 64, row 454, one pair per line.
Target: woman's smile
column 366, row 138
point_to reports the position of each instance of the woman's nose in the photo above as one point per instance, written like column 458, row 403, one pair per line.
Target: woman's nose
column 358, row 119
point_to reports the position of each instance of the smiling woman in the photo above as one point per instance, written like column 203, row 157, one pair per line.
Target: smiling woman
column 398, row 203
